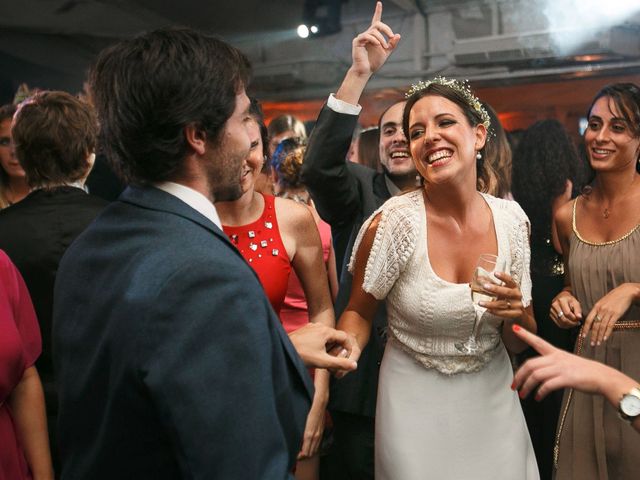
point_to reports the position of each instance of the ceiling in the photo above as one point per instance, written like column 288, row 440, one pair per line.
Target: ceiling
column 50, row 43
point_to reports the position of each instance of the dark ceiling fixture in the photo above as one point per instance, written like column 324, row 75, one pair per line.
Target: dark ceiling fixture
column 320, row 17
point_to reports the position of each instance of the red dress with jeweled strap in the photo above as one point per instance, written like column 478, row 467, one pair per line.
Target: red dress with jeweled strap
column 260, row 244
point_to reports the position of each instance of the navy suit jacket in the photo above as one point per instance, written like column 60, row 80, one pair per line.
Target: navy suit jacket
column 170, row 361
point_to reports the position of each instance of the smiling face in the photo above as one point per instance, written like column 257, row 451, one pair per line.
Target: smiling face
column 253, row 162
column 8, row 160
column 394, row 150
column 443, row 142
column 610, row 142
column 228, row 156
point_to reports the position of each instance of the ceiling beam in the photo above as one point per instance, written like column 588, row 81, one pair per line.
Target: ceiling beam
column 406, row 5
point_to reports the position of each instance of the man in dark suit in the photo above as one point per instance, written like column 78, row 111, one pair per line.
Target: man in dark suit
column 54, row 135
column 171, row 362
column 345, row 195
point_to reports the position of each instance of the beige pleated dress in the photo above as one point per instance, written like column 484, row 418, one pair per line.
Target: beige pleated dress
column 593, row 442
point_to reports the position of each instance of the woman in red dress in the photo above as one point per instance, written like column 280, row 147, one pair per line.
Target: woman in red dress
column 24, row 444
column 286, row 175
column 274, row 235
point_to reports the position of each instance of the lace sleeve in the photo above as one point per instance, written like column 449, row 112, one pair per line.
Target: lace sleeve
column 392, row 247
column 521, row 252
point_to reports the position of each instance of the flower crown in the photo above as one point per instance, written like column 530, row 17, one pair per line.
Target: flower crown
column 462, row 87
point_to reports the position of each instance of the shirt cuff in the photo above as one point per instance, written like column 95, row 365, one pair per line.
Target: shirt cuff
column 340, row 106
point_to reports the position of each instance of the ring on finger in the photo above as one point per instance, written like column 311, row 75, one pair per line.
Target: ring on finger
column 597, row 319
column 560, row 314
column 508, row 304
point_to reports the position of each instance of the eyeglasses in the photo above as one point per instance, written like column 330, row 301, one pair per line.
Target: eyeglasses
column 5, row 141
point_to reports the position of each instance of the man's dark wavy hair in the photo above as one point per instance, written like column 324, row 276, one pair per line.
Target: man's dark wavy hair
column 146, row 90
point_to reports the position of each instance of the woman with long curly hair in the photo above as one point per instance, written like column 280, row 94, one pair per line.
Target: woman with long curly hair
column 546, row 174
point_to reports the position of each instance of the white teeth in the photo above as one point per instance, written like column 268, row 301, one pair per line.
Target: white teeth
column 438, row 155
column 603, row 152
column 399, row 155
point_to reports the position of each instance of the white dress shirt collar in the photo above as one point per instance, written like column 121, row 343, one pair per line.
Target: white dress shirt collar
column 193, row 198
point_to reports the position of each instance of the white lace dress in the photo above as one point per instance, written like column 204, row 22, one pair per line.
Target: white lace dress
column 442, row 415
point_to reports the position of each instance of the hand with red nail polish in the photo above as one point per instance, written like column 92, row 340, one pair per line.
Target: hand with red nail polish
column 556, row 369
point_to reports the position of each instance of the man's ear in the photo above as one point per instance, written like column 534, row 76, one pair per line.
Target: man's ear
column 196, row 138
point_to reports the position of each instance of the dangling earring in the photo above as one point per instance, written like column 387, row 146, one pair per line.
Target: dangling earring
column 478, row 156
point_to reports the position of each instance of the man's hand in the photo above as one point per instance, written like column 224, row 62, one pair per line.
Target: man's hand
column 372, row 47
column 313, row 341
column 369, row 51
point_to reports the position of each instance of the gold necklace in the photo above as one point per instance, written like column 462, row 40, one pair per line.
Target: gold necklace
column 606, row 213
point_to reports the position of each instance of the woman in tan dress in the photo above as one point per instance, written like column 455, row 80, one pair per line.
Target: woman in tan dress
column 600, row 235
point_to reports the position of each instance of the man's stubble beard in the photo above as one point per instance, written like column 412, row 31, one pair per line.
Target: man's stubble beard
column 224, row 176
column 399, row 176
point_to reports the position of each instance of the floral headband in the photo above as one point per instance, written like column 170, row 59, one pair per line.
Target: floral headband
column 462, row 87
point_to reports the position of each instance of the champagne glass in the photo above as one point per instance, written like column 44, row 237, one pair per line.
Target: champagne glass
column 484, row 273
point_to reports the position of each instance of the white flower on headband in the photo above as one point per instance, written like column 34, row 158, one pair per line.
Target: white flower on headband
column 462, row 87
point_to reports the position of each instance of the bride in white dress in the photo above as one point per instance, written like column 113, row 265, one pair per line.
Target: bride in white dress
column 443, row 414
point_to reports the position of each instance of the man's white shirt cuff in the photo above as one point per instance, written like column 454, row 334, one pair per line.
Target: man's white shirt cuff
column 340, row 106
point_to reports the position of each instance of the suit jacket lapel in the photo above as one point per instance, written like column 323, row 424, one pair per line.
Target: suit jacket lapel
column 156, row 199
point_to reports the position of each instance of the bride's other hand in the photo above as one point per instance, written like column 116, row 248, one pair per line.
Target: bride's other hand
column 340, row 352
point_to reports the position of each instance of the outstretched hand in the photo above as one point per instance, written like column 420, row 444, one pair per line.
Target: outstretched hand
column 314, row 341
column 372, row 47
column 555, row 369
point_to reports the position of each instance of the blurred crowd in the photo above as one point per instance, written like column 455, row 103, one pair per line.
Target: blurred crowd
column 171, row 357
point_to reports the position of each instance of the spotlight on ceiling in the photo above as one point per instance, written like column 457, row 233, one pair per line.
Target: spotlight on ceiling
column 321, row 17
column 303, row 31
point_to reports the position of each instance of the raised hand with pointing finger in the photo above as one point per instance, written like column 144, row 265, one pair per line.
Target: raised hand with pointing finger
column 369, row 51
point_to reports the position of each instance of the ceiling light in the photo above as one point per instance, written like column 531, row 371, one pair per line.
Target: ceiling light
column 303, row 31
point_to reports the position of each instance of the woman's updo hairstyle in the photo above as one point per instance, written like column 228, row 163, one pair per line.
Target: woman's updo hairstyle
column 287, row 162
